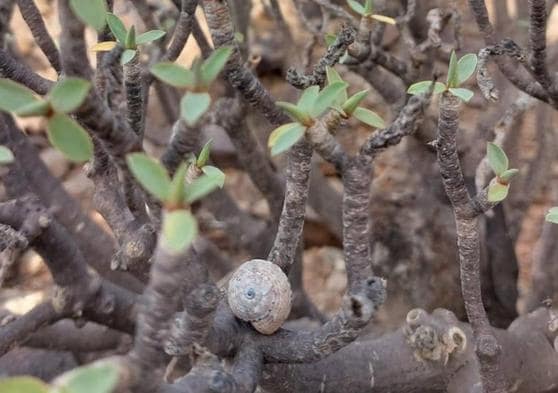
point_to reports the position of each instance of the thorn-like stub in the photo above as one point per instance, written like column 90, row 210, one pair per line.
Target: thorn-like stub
column 487, row 346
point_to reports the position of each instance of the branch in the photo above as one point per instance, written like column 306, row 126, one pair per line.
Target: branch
column 537, row 42
column 21, row 73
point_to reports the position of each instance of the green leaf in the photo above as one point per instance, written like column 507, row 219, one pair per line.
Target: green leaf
column 6, row 155
column 14, row 96
column 466, row 67
column 497, row 191
column 462, row 93
column 201, row 186
column 204, row 154
column 351, row 104
column 332, row 77
column 423, row 87
column 282, row 138
column 295, row 112
column 68, row 94
column 174, row 75
column 37, row 108
column 91, row 12
column 368, row 7
column 67, row 136
column 23, row 385
column 117, row 28
column 215, row 173
column 149, row 36
column 193, row 106
column 497, row 159
column 89, row 379
column 329, row 39
column 176, row 189
column 150, row 174
column 127, row 56
column 368, row 117
column 552, row 215
column 507, row 175
column 452, row 71
column 239, row 37
column 308, row 98
column 179, row 231
column 130, row 42
column 384, row 19
column 356, row 6
column 327, row 97
column 104, row 46
column 213, row 65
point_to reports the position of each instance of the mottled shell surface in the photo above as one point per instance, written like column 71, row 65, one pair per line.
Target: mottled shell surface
column 259, row 292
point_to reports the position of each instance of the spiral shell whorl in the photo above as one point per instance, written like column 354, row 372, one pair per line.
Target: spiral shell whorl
column 259, row 292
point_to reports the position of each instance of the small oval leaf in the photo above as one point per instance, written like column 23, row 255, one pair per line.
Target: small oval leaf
column 327, row 97
column 204, row 154
column 14, row 96
column 552, row 215
column 356, row 6
column 23, row 385
column 37, row 108
column 424, row 86
column 212, row 179
column 127, row 56
column 214, row 64
column 507, row 175
column 69, row 137
column 68, row 94
column 150, row 174
column 117, row 28
column 174, row 75
column 308, row 98
column 462, row 93
column 6, row 155
column 130, row 42
column 193, row 106
column 351, row 104
column 179, row 231
column 177, row 186
column 452, row 71
column 88, row 379
column 282, row 138
column 466, row 67
column 294, row 112
column 497, row 159
column 497, row 191
column 91, row 12
column 368, row 117
column 149, row 36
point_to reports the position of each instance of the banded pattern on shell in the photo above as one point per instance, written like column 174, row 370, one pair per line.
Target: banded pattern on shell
column 259, row 292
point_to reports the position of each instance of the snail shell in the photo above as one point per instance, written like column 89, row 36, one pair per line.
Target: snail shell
column 259, row 292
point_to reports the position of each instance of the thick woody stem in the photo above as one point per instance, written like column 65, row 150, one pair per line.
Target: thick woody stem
column 32, row 17
column 73, row 49
column 537, row 42
column 133, row 82
column 184, row 140
column 292, row 216
column 21, row 73
column 488, row 349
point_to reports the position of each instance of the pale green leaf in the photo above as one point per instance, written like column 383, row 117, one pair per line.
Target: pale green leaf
column 497, row 191
column 91, row 12
column 69, row 137
column 368, row 7
column 508, row 174
column 14, row 96
column 117, row 28
column 193, row 106
column 174, row 75
column 179, row 231
column 497, row 159
column 36, row 108
column 308, row 98
column 215, row 173
column 462, row 93
column 356, row 6
column 351, row 104
column 294, row 112
column 368, row 117
column 176, row 189
column 204, row 154
column 282, row 138
column 332, row 77
column 22, row 385
column 104, row 46
column 329, row 39
column 452, row 71
column 214, row 64
column 150, row 174
column 203, row 185
column 327, row 97
column 149, row 36
column 89, row 379
column 127, row 56
column 6, row 155
column 552, row 215
column 130, row 42
column 424, row 86
column 384, row 19
column 68, row 94
column 466, row 67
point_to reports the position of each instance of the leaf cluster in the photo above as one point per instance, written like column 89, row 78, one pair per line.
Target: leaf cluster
column 366, row 10
column 499, row 186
